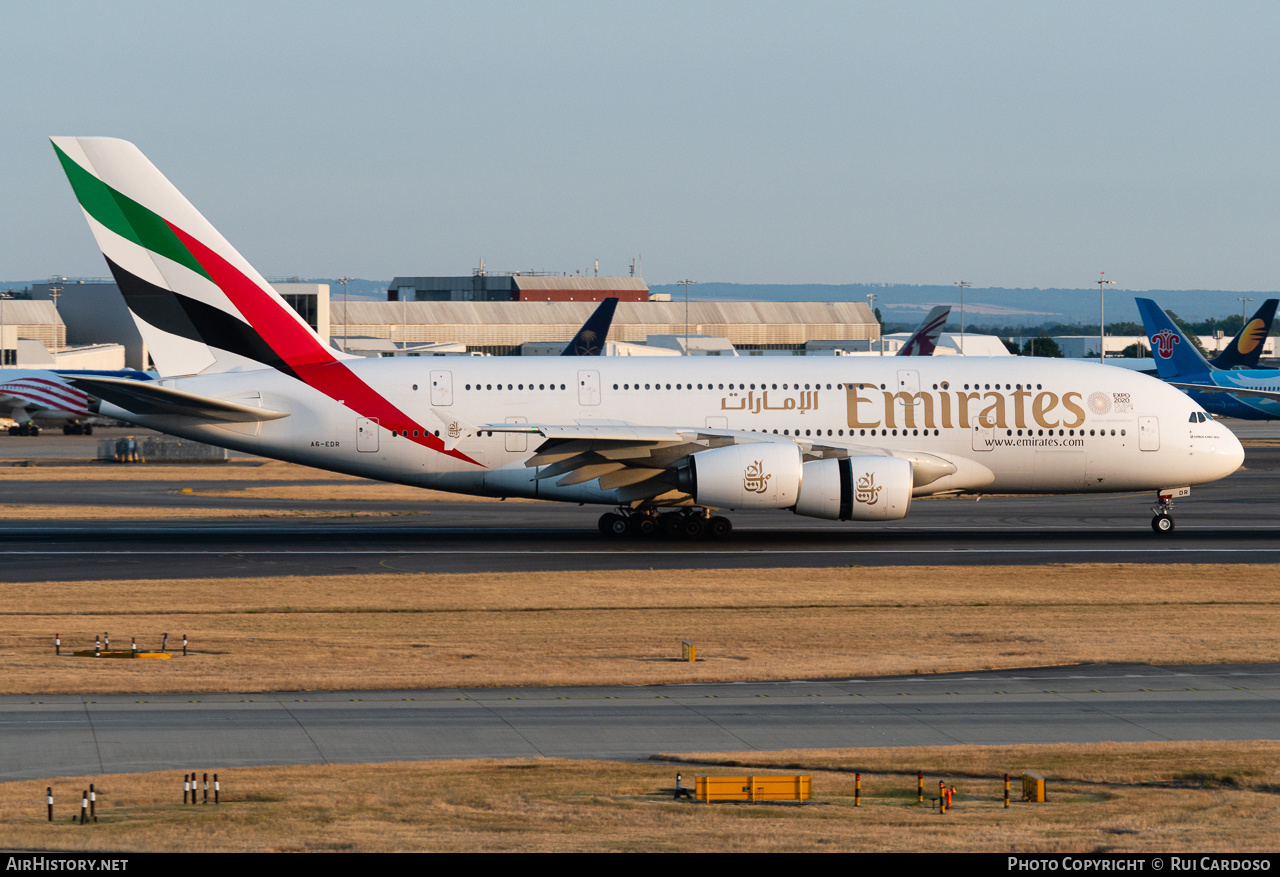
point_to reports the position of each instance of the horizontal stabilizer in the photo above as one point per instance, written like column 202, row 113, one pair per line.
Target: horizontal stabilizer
column 148, row 397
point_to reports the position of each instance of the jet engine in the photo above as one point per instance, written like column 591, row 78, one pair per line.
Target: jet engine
column 856, row 489
column 760, row 475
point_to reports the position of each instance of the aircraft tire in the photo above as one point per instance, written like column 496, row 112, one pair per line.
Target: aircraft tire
column 88, row 430
column 642, row 525
column 1162, row 524
column 719, row 527
column 66, row 429
column 693, row 527
column 669, row 524
column 613, row 524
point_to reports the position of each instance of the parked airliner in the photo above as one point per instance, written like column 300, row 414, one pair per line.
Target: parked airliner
column 1245, row 393
column 848, row 438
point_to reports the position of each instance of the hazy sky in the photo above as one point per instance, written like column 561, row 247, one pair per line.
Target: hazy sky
column 1008, row 144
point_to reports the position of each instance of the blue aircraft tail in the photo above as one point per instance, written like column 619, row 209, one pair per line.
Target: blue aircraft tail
column 1245, row 349
column 1175, row 356
column 591, row 337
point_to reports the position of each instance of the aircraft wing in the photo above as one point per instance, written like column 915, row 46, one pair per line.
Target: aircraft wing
column 146, row 397
column 1234, row 391
column 645, row 462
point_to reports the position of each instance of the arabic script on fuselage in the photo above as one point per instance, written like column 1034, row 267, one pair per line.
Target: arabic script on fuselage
column 753, row 404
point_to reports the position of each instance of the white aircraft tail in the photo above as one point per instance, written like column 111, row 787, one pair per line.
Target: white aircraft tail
column 199, row 305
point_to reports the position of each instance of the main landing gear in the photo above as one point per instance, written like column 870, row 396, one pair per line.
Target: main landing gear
column 690, row 524
column 1163, row 520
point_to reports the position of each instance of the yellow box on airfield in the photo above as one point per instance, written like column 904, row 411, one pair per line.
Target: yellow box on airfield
column 755, row 788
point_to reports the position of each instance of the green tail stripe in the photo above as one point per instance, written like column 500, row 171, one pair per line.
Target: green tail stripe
column 124, row 216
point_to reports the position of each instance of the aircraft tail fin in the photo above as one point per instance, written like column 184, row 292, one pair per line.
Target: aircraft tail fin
column 591, row 337
column 1175, row 356
column 925, row 338
column 1246, row 348
column 199, row 305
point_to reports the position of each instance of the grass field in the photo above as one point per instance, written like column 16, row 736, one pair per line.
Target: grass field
column 1106, row 798
column 415, row 630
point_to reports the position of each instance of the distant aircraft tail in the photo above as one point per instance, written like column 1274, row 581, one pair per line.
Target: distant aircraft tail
column 925, row 338
column 1175, row 356
column 198, row 304
column 1246, row 348
column 591, row 337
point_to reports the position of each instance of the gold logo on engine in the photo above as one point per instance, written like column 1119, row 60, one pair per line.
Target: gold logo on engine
column 866, row 490
column 754, row 479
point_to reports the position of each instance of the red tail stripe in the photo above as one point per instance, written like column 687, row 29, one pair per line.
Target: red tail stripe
column 302, row 351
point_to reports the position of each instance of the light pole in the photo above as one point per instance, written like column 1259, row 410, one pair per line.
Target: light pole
column 1102, row 324
column 871, row 300
column 346, row 318
column 686, row 284
column 1244, row 302
column 962, row 284
column 4, row 351
column 55, row 290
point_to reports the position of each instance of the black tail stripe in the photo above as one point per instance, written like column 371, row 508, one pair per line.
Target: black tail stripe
column 194, row 320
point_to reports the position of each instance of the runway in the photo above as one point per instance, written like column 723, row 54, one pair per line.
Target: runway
column 73, row 735
column 1232, row 521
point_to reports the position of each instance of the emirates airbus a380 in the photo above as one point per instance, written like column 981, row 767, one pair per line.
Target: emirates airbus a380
column 665, row 442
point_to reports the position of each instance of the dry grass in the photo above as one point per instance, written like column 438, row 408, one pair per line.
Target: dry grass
column 1251, row 764
column 1096, row 804
column 418, row 630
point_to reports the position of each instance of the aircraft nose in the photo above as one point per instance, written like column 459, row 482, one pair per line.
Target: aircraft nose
column 1228, row 453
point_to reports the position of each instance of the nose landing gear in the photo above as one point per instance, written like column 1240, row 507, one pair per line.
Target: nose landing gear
column 1163, row 520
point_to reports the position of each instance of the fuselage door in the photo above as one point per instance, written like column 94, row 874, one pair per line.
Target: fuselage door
column 1149, row 433
column 981, row 434
column 589, row 388
column 908, row 382
column 517, row 441
column 367, row 434
column 441, row 388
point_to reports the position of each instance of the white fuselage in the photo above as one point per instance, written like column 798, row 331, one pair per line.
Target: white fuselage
column 1008, row 424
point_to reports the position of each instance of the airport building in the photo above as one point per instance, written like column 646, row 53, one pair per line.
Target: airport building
column 501, row 327
column 91, row 312
column 33, row 335
column 529, row 286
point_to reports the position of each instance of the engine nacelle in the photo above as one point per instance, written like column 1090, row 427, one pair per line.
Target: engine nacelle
column 856, row 489
column 760, row 475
